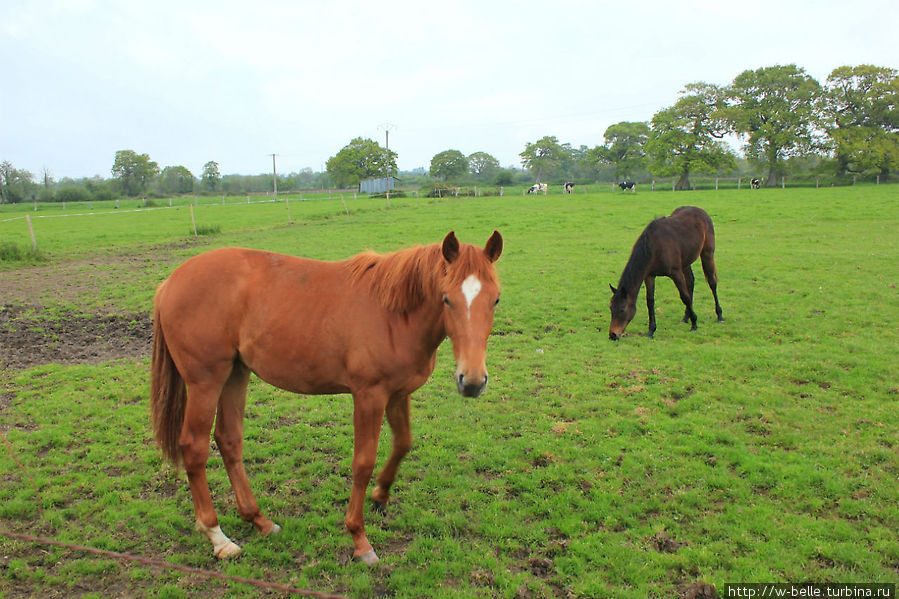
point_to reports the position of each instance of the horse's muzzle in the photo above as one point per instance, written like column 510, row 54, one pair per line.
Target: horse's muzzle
column 613, row 336
column 470, row 388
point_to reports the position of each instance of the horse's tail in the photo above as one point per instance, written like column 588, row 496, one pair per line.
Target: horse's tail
column 168, row 393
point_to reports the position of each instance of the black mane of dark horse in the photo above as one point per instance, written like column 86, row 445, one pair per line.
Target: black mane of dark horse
column 667, row 247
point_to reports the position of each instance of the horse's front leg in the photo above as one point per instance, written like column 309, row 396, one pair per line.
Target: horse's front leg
column 398, row 418
column 368, row 414
column 650, row 283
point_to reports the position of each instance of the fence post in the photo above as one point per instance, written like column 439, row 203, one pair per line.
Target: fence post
column 739, row 179
column 783, row 182
column 716, row 183
column 878, row 179
column 193, row 221
column 31, row 231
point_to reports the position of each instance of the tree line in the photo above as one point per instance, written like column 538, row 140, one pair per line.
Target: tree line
column 785, row 121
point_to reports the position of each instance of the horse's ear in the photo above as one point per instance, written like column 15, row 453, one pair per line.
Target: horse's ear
column 614, row 291
column 450, row 247
column 494, row 246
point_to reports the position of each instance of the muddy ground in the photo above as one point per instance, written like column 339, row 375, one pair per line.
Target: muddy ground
column 28, row 338
column 66, row 312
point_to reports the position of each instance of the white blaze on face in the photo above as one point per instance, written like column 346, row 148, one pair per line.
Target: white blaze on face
column 471, row 287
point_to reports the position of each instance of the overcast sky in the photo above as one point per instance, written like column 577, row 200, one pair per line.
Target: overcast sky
column 188, row 82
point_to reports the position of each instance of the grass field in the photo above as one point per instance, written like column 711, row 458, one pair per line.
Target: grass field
column 763, row 449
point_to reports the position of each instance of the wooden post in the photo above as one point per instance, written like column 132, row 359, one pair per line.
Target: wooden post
column 344, row 205
column 783, row 182
column 878, row 179
column 716, row 183
column 287, row 202
column 31, row 231
column 652, row 186
column 739, row 179
column 193, row 221
column 501, row 189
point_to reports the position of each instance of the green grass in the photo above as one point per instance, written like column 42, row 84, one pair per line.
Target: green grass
column 761, row 449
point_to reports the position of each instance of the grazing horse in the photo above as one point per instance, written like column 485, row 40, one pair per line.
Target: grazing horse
column 667, row 247
column 369, row 326
column 538, row 187
column 755, row 183
column 628, row 185
column 568, row 187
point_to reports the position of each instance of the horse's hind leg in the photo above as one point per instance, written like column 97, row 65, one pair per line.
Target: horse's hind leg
column 199, row 414
column 398, row 418
column 229, row 438
column 711, row 276
column 688, row 275
column 681, row 282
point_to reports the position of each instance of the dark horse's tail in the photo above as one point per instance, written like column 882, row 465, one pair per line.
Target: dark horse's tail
column 168, row 394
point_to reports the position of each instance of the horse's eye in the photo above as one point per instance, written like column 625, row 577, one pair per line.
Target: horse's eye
column 496, row 303
column 446, row 301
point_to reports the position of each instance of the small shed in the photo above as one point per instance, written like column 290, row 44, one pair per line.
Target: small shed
column 377, row 185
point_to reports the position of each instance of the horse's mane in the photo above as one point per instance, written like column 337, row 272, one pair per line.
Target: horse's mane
column 403, row 280
column 635, row 269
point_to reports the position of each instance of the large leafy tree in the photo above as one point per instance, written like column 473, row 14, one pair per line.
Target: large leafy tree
column 133, row 171
column 624, row 148
column 774, row 109
column 449, row 164
column 860, row 111
column 359, row 160
column 16, row 185
column 686, row 138
column 211, row 177
column 545, row 157
column 177, row 179
column 482, row 164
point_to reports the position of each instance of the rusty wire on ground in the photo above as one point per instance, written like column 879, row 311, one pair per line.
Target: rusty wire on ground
column 146, row 560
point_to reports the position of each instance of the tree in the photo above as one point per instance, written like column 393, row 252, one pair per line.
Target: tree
column 359, row 160
column 774, row 108
column 133, row 171
column 482, row 165
column 860, row 112
column 177, row 179
column 545, row 157
column 624, row 148
column 211, row 176
column 449, row 164
column 686, row 138
column 16, row 185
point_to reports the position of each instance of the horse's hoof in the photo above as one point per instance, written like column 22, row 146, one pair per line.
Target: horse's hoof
column 229, row 549
column 379, row 506
column 275, row 529
column 369, row 558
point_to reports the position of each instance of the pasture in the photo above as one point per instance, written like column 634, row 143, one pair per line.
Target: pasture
column 763, row 449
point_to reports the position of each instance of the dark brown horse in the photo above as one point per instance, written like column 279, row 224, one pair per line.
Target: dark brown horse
column 666, row 248
column 369, row 326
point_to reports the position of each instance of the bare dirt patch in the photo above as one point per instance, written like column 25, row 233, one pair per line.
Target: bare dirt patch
column 28, row 338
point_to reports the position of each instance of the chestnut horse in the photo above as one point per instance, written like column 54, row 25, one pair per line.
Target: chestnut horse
column 369, row 326
column 667, row 247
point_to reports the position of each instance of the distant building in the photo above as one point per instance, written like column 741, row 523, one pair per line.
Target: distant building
column 377, row 185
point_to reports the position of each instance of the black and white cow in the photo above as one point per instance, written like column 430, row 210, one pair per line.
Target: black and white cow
column 537, row 188
column 625, row 185
column 568, row 187
column 755, row 183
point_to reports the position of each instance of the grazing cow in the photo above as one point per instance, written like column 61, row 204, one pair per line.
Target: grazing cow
column 569, row 186
column 537, row 188
column 755, row 183
column 625, row 185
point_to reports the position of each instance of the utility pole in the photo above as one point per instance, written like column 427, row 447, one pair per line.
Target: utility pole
column 387, row 127
column 274, row 177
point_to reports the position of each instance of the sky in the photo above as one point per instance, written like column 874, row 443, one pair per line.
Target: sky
column 235, row 82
